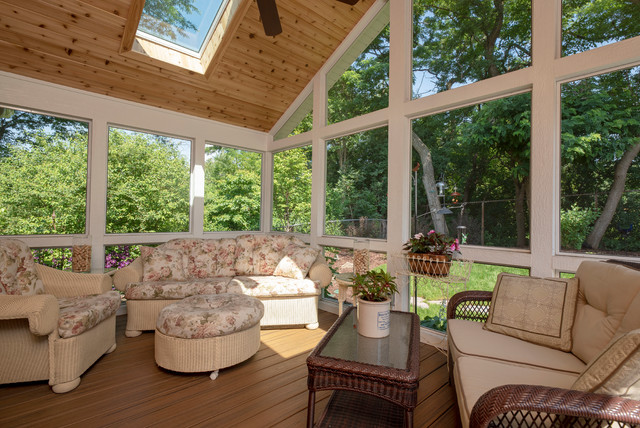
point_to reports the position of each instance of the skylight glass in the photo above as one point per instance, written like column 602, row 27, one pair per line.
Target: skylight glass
column 180, row 23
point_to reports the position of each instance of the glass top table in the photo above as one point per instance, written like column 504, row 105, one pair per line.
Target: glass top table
column 386, row 370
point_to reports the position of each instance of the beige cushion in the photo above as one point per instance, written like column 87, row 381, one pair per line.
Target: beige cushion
column 475, row 376
column 296, row 262
column 469, row 338
column 616, row 370
column 604, row 298
column 538, row 310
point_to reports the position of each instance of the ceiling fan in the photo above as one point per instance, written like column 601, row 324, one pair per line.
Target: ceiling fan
column 270, row 18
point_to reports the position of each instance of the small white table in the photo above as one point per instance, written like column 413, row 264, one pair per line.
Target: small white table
column 344, row 280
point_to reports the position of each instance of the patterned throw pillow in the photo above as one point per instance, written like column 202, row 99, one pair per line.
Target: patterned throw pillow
column 538, row 310
column 297, row 262
column 616, row 370
column 17, row 269
column 163, row 265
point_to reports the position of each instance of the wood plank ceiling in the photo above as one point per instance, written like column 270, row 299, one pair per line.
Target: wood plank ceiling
column 250, row 80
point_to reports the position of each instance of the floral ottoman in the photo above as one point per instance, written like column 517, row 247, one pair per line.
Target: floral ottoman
column 208, row 332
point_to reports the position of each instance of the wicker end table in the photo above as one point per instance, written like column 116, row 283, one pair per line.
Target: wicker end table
column 370, row 376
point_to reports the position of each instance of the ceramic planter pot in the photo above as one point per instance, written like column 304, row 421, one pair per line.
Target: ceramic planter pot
column 373, row 318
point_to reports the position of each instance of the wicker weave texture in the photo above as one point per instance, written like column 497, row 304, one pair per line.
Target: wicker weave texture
column 71, row 284
column 71, row 357
column 41, row 310
column 355, row 410
column 208, row 354
column 472, row 305
column 540, row 406
column 142, row 314
column 24, row 356
column 290, row 311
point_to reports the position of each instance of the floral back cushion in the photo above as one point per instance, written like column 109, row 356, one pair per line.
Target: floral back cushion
column 244, row 254
column 162, row 264
column 213, row 257
column 17, row 269
column 296, row 262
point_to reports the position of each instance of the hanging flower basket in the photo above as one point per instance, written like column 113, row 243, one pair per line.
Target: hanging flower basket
column 429, row 264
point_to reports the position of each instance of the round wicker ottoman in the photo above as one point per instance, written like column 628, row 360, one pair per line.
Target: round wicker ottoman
column 208, row 332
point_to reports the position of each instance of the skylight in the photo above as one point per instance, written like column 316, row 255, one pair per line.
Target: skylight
column 180, row 24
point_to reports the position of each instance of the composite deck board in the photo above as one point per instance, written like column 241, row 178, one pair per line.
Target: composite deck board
column 127, row 389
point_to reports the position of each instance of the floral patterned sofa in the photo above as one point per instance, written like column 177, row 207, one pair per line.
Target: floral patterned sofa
column 280, row 270
column 53, row 325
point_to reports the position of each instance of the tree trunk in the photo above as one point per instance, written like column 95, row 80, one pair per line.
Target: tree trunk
column 429, row 183
column 613, row 199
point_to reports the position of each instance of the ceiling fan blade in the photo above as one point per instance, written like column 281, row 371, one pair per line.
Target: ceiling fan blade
column 350, row 2
column 270, row 17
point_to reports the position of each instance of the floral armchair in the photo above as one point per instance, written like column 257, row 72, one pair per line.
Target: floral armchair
column 53, row 325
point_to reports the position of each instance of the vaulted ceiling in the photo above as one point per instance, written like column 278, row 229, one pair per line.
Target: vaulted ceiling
column 245, row 78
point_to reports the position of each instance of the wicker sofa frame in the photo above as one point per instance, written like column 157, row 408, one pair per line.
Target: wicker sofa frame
column 533, row 405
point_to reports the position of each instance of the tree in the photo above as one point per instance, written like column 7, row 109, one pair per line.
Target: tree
column 168, row 17
column 232, row 189
column 292, row 190
column 148, row 184
column 601, row 137
column 43, row 184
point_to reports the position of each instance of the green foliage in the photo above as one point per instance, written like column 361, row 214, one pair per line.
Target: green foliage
column 575, row 224
column 57, row 258
column 292, row 190
column 356, row 182
column 374, row 286
column 462, row 41
column 588, row 24
column 364, row 87
column 44, row 179
column 148, row 183
column 232, row 190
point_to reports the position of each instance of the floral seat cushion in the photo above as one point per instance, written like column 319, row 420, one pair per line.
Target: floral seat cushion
column 81, row 313
column 199, row 317
column 173, row 290
column 17, row 269
column 276, row 286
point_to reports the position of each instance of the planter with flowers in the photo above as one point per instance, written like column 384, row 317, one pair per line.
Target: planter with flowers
column 431, row 254
column 373, row 290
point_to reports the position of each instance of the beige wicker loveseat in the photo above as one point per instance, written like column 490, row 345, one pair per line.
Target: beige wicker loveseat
column 555, row 352
column 53, row 325
column 280, row 270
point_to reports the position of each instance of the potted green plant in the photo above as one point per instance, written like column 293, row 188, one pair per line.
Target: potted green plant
column 431, row 254
column 373, row 291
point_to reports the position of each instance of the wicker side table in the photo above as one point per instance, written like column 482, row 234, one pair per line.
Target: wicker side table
column 380, row 373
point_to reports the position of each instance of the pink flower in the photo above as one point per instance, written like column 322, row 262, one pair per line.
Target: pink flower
column 431, row 231
column 418, row 235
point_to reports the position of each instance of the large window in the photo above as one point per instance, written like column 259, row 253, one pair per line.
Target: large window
column 359, row 82
column 148, row 182
column 456, row 42
column 232, row 189
column 600, row 205
column 587, row 24
column 471, row 173
column 292, row 190
column 43, row 174
column 356, row 187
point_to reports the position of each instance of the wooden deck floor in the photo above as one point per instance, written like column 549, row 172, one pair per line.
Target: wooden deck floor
column 127, row 389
